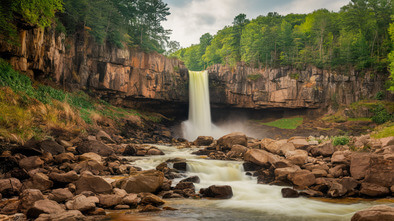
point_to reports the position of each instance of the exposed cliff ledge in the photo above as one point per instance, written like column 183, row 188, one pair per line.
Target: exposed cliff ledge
column 288, row 88
column 153, row 80
column 78, row 61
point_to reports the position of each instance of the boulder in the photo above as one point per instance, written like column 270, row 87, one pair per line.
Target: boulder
column 325, row 149
column 182, row 165
column 193, row 179
column 89, row 182
column 69, row 215
column 143, row 181
column 30, row 163
column 44, row 206
column 103, row 136
column 82, row 203
column 203, row 141
column 302, row 178
column 283, row 173
column 60, row 195
column 380, row 170
column 28, row 197
column 336, row 190
column 64, row 157
column 289, row 193
column 373, row 190
column 299, row 143
column 341, row 157
column 109, row 200
column 95, row 147
column 40, row 181
column 298, row 157
column 154, row 151
column 184, row 185
column 9, row 206
column 68, row 177
column 91, row 156
column 375, row 213
column 220, row 192
column 90, row 165
column 349, row 183
column 51, row 146
column 259, row 157
column 359, row 164
column 230, row 140
column 10, row 187
column 336, row 171
column 387, row 141
column 131, row 199
column 275, row 146
column 319, row 173
column 239, row 149
column 130, row 150
column 149, row 198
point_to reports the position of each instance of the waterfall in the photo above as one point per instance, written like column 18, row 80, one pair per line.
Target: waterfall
column 199, row 122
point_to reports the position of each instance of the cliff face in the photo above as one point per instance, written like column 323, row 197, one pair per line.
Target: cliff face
column 151, row 79
column 288, row 88
column 79, row 62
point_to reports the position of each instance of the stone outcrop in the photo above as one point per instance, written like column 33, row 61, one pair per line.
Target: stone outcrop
column 285, row 87
column 78, row 62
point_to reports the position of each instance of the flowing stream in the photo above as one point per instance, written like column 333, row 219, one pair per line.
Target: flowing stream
column 251, row 201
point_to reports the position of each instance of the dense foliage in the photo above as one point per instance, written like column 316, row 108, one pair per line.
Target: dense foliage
column 356, row 36
column 135, row 22
column 33, row 12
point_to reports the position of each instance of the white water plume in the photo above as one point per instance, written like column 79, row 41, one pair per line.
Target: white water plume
column 199, row 122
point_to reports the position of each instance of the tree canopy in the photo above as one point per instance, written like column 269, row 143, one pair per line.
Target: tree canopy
column 355, row 37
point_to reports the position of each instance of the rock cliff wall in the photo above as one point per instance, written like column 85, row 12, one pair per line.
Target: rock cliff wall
column 78, row 62
column 136, row 78
column 288, row 88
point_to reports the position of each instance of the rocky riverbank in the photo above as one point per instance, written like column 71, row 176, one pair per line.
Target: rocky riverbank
column 82, row 178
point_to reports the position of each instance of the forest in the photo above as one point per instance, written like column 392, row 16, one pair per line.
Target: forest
column 134, row 22
column 358, row 36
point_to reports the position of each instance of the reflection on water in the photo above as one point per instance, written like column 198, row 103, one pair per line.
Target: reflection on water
column 251, row 201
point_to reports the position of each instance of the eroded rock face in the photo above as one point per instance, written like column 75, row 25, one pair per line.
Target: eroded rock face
column 279, row 87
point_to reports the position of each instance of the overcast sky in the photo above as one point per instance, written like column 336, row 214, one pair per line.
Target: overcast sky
column 190, row 19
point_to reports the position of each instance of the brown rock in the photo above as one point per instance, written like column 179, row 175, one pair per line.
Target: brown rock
column 82, row 203
column 289, row 193
column 282, row 173
column 28, row 197
column 64, row 157
column 325, row 149
column 374, row 190
column 91, row 156
column 89, row 182
column 121, row 207
column 298, row 157
column 203, row 141
column 302, row 178
column 44, row 206
column 193, row 179
column 375, row 213
column 149, row 198
column 95, row 147
column 40, row 181
column 154, row 151
column 68, row 177
column 387, row 141
column 229, row 140
column 89, row 165
column 30, row 163
column 380, row 171
column 359, row 164
column 148, row 208
column 341, row 157
column 299, row 143
column 319, row 173
column 103, row 136
column 131, row 199
column 60, row 195
column 144, row 181
column 336, row 171
column 51, row 146
column 69, row 215
column 220, row 192
column 10, row 187
column 184, row 185
column 109, row 200
column 259, row 157
column 9, row 206
column 336, row 190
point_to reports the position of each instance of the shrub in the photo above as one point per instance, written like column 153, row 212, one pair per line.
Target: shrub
column 343, row 140
column 380, row 114
column 380, row 95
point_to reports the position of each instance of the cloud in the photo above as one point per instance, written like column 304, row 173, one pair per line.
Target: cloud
column 190, row 19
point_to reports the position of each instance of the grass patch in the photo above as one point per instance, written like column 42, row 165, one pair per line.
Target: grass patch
column 384, row 130
column 360, row 119
column 286, row 123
